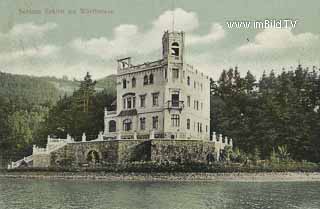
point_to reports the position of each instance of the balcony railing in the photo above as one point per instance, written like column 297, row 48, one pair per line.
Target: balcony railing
column 175, row 104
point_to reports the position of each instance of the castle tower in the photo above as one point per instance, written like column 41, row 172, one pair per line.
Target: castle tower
column 173, row 55
column 173, row 46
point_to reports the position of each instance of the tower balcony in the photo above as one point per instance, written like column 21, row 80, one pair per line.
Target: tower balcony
column 174, row 105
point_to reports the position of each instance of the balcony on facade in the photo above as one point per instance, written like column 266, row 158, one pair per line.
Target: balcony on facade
column 174, row 105
column 110, row 112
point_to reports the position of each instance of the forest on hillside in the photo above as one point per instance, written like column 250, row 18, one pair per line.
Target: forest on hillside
column 271, row 112
column 259, row 114
column 30, row 106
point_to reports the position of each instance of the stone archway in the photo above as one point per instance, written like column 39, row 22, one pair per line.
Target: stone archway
column 93, row 157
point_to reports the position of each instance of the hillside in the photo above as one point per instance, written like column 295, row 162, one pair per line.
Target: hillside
column 39, row 90
column 27, row 89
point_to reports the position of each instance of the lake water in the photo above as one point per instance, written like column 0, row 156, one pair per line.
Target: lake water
column 45, row 194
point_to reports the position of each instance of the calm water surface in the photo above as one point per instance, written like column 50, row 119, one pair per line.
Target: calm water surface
column 44, row 194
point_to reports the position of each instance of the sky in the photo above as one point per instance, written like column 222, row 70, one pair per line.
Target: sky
column 36, row 38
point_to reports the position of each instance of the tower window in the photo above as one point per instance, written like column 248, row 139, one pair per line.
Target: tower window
column 155, row 99
column 188, row 101
column 175, row 49
column 112, row 126
column 127, row 125
column 175, row 120
column 145, row 80
column 124, row 83
column 143, row 101
column 151, row 79
column 175, row 73
column 133, row 82
column 155, row 122
column 188, row 124
column 129, row 102
column 142, row 123
column 188, row 80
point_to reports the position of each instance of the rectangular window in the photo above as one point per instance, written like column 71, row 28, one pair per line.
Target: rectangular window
column 127, row 125
column 188, row 124
column 142, row 123
column 175, row 100
column 124, row 103
column 129, row 103
column 165, row 73
column 155, row 99
column 143, row 101
column 155, row 122
column 133, row 102
column 206, row 128
column 175, row 73
column 175, row 120
column 188, row 101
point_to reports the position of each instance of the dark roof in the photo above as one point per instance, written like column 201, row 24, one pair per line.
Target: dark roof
column 128, row 112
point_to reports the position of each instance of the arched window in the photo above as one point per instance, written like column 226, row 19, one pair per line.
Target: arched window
column 188, row 80
column 127, row 125
column 112, row 126
column 151, row 79
column 175, row 49
column 145, row 80
column 124, row 83
column 133, row 82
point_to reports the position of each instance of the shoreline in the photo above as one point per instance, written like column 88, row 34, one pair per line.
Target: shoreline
column 175, row 177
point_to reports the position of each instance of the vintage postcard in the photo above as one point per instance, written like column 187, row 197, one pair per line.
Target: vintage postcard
column 138, row 104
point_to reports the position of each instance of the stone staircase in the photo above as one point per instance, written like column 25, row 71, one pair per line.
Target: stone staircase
column 18, row 163
column 52, row 145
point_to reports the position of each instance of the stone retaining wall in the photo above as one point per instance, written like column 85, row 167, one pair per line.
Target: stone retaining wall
column 98, row 153
column 182, row 151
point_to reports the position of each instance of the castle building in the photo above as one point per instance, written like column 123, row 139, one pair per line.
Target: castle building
column 166, row 98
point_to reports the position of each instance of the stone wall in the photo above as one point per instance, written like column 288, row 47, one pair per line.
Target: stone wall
column 41, row 160
column 182, row 151
column 99, row 153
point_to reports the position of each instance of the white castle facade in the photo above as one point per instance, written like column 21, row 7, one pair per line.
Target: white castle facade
column 166, row 98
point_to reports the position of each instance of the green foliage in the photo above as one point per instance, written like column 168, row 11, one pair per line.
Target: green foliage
column 31, row 108
column 273, row 111
column 283, row 153
column 83, row 112
column 274, row 157
column 22, row 90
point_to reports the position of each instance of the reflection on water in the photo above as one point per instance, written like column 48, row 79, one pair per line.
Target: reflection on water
column 34, row 194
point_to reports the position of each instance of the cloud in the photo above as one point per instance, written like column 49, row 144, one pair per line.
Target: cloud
column 181, row 19
column 37, row 52
column 128, row 39
column 272, row 39
column 29, row 29
column 216, row 33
